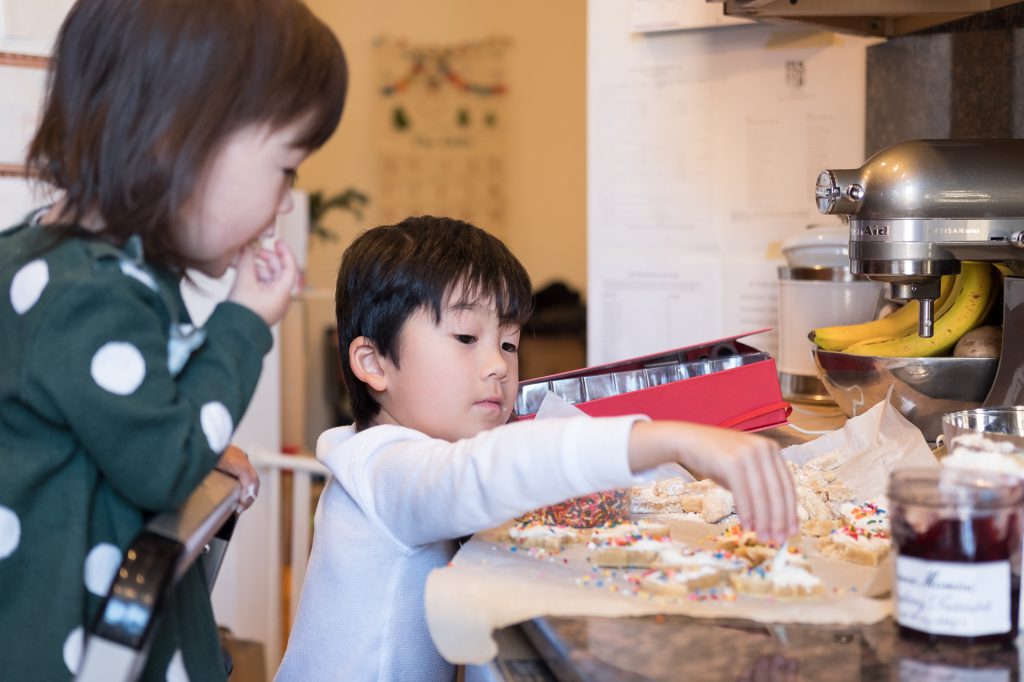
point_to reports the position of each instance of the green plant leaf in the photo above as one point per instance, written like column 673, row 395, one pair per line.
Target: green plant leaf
column 351, row 200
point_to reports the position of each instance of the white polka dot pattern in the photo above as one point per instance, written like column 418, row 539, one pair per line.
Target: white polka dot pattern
column 217, row 425
column 176, row 668
column 10, row 532
column 118, row 367
column 28, row 284
column 100, row 568
column 73, row 647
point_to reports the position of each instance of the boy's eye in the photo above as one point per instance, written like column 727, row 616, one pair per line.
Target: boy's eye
column 465, row 338
column 509, row 347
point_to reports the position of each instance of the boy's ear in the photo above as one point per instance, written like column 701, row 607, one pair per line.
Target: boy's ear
column 366, row 363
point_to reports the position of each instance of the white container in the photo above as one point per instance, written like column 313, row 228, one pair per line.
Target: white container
column 820, row 246
column 817, row 290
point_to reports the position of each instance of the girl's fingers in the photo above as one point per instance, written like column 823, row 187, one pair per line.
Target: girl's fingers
column 286, row 258
column 264, row 271
column 270, row 263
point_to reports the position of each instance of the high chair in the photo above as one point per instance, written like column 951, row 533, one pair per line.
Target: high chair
column 118, row 643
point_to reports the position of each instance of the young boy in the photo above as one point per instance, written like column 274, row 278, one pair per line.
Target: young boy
column 429, row 314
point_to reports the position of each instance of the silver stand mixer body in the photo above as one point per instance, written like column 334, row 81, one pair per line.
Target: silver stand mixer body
column 919, row 208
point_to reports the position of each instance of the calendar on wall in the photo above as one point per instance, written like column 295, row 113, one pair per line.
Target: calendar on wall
column 441, row 131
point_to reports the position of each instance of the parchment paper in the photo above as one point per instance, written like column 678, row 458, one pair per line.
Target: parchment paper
column 489, row 586
column 874, row 445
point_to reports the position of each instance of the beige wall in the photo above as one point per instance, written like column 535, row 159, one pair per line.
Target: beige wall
column 546, row 167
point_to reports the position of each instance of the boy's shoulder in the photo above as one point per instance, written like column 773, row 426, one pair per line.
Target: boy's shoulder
column 339, row 436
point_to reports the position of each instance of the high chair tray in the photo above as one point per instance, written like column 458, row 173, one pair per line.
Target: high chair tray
column 722, row 383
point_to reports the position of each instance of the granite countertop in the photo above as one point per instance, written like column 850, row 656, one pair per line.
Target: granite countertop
column 682, row 648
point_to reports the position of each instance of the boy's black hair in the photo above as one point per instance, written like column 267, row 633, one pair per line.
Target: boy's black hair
column 392, row 271
column 143, row 93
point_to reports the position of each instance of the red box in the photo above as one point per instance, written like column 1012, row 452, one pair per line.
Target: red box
column 746, row 398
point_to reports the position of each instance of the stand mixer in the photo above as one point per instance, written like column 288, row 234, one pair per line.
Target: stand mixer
column 919, row 208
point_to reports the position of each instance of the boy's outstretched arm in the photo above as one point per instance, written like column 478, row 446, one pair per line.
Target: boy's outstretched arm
column 748, row 465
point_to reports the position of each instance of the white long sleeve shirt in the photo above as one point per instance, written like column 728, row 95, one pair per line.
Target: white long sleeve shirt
column 395, row 501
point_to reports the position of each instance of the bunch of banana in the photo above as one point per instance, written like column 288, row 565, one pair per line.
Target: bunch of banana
column 963, row 303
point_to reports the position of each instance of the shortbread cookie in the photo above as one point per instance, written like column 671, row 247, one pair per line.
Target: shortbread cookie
column 628, row 532
column 678, row 583
column 745, row 545
column 818, row 527
column 634, row 544
column 680, row 496
column 811, row 506
column 641, row 553
column 864, row 537
column 790, row 578
column 672, row 487
column 848, row 544
column 684, row 559
column 718, row 504
column 819, row 493
column 547, row 536
column 643, row 500
column 667, row 496
column 871, row 517
column 826, row 462
column 838, row 494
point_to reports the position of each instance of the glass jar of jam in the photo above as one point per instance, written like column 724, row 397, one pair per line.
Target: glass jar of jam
column 957, row 540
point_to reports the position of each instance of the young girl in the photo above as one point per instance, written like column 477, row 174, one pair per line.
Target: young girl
column 429, row 314
column 171, row 132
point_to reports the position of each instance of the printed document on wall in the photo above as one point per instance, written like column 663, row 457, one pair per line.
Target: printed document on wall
column 650, row 297
column 705, row 145
column 673, row 15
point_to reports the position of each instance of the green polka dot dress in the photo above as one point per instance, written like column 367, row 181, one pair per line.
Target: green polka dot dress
column 112, row 409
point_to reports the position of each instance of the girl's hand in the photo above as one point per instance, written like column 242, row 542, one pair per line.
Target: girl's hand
column 235, row 462
column 264, row 281
column 750, row 466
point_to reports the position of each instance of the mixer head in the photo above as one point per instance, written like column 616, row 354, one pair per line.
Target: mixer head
column 918, row 208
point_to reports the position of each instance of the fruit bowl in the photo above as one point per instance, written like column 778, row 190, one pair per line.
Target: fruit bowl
column 924, row 389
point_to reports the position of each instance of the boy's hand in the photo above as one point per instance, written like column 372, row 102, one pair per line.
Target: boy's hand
column 234, row 462
column 264, row 281
column 750, row 466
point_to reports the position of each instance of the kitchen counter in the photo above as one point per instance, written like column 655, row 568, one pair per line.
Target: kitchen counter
column 683, row 648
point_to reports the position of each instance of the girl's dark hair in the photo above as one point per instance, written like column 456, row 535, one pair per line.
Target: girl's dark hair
column 143, row 93
column 390, row 272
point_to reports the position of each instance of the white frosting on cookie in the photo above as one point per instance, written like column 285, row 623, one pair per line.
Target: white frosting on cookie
column 540, row 530
column 697, row 559
column 622, row 530
column 866, row 518
column 790, row 575
column 679, row 577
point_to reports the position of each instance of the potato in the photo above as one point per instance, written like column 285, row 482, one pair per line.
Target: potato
column 980, row 342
